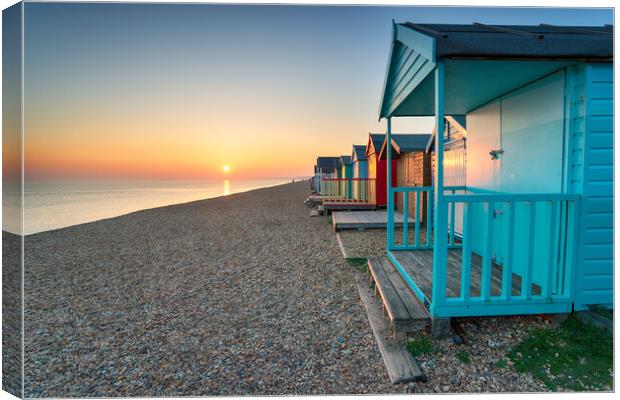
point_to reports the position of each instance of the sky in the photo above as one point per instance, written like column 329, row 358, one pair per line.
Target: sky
column 177, row 91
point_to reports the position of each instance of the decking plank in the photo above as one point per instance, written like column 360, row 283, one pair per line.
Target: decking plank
column 393, row 304
column 365, row 219
column 400, row 365
column 415, row 265
column 341, row 245
column 417, row 311
column 419, row 266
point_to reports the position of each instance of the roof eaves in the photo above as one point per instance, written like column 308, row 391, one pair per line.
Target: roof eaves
column 395, row 145
column 423, row 43
column 386, row 80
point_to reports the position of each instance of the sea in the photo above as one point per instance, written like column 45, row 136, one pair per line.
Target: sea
column 53, row 205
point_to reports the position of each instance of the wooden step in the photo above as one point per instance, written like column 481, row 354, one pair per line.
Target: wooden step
column 405, row 312
column 400, row 365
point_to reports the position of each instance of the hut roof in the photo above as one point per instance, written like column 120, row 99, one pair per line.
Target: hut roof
column 377, row 140
column 519, row 41
column 345, row 160
column 493, row 59
column 406, row 142
column 359, row 152
column 327, row 164
column 460, row 119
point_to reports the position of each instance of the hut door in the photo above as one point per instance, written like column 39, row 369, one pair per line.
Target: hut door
column 532, row 162
column 483, row 171
column 515, row 145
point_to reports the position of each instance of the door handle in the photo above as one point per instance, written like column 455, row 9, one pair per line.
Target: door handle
column 496, row 153
column 497, row 212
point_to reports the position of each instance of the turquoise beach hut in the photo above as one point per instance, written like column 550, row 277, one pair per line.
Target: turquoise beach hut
column 537, row 198
column 346, row 174
column 360, row 172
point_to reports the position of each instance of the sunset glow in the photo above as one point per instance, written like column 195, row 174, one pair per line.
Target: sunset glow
column 226, row 168
column 266, row 99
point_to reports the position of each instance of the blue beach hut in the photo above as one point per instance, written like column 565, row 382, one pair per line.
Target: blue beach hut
column 537, row 197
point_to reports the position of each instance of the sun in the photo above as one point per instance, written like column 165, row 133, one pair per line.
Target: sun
column 226, row 168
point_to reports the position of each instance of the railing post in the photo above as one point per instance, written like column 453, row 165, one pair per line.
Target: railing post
column 547, row 290
column 440, row 251
column 526, row 284
column 429, row 216
column 487, row 259
column 571, row 270
column 406, row 218
column 417, row 217
column 468, row 214
column 452, row 221
column 390, row 194
column 507, row 268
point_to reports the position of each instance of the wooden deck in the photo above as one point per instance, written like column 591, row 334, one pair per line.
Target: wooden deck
column 348, row 206
column 404, row 310
column 365, row 220
column 419, row 266
column 314, row 198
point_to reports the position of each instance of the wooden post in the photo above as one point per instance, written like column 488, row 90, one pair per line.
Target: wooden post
column 390, row 193
column 440, row 251
column 487, row 257
column 466, row 252
column 507, row 269
column 417, row 217
column 406, row 219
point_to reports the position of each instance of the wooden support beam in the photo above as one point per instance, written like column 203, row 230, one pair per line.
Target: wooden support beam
column 440, row 253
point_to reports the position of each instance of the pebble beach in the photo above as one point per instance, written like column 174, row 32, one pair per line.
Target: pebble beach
column 237, row 295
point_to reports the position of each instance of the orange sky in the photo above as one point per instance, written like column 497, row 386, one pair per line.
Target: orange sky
column 138, row 92
column 176, row 91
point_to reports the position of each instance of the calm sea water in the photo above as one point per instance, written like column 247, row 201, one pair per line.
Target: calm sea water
column 53, row 205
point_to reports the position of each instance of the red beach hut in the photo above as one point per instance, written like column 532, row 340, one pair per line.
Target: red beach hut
column 377, row 169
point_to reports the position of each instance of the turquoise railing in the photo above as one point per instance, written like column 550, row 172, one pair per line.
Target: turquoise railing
column 528, row 237
column 524, row 243
column 422, row 199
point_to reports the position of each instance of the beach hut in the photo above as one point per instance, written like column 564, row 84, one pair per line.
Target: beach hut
column 413, row 168
column 324, row 169
column 377, row 169
column 346, row 176
column 360, row 173
column 537, row 220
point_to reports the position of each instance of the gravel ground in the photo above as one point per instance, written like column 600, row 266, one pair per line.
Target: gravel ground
column 370, row 242
column 363, row 244
column 11, row 314
column 486, row 341
column 244, row 294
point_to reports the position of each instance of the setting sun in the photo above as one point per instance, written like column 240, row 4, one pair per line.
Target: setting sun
column 226, row 168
